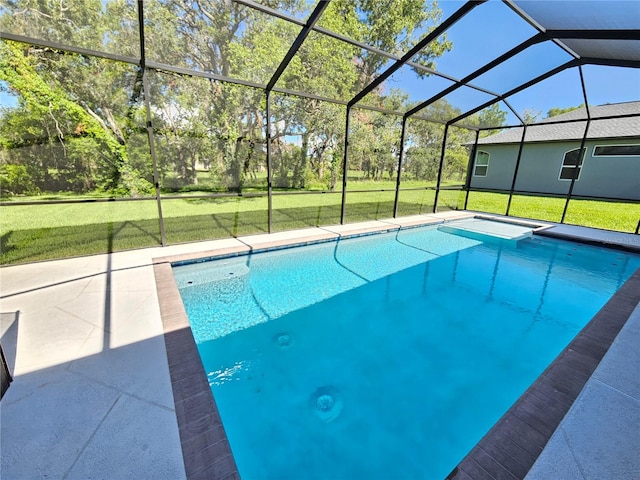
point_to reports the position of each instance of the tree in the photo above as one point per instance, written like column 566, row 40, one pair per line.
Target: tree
column 553, row 112
column 531, row 115
column 79, row 23
column 223, row 38
column 336, row 69
column 80, row 129
column 492, row 116
column 81, row 109
column 393, row 26
column 89, row 112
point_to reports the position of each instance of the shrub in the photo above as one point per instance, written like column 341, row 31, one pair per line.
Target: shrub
column 15, row 180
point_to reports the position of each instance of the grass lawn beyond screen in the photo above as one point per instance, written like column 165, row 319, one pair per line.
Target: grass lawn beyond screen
column 41, row 232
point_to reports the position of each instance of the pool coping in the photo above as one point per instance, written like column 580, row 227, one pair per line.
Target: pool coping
column 510, row 447
column 205, row 448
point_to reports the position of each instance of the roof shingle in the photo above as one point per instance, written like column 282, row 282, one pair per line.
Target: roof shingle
column 606, row 128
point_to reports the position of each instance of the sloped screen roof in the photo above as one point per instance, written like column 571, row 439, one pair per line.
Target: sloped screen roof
column 611, row 16
column 472, row 54
column 536, row 40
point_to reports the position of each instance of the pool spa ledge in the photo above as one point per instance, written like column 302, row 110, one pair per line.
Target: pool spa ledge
column 508, row 450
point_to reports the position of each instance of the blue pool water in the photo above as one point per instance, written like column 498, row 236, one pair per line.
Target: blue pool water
column 387, row 356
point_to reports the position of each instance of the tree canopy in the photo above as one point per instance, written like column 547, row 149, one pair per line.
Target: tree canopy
column 553, row 112
column 80, row 120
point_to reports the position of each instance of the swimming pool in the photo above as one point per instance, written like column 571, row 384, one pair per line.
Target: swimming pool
column 328, row 361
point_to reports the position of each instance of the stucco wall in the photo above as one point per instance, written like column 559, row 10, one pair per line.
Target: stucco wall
column 609, row 177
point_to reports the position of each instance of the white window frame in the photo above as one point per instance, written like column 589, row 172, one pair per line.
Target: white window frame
column 579, row 166
column 475, row 164
column 616, row 145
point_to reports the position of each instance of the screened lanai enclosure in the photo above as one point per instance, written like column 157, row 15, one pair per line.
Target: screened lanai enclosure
column 130, row 124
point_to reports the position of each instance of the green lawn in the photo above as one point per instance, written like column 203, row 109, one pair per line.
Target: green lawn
column 40, row 232
column 619, row 216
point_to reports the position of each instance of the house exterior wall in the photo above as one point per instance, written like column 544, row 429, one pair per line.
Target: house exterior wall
column 539, row 171
column 616, row 177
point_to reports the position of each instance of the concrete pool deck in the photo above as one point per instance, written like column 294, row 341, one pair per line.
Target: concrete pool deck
column 92, row 393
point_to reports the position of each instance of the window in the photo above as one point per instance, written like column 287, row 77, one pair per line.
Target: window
column 482, row 164
column 616, row 150
column 572, row 160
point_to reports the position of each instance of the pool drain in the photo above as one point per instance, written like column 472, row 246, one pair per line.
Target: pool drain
column 284, row 340
column 326, row 403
